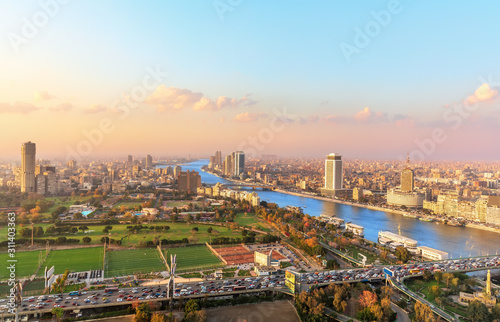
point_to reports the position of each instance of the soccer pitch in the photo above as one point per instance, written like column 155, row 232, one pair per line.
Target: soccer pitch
column 192, row 257
column 131, row 261
column 76, row 260
column 26, row 264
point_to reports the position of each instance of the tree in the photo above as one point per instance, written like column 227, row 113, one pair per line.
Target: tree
column 58, row 313
column 403, row 254
column 478, row 312
column 142, row 313
column 86, row 240
column 78, row 215
column 438, row 276
column 83, row 228
column 158, row 317
column 25, row 232
column 73, row 230
column 191, row 306
column 423, row 313
column 386, row 292
column 366, row 315
column 427, row 275
column 38, row 232
column 209, row 230
column 496, row 311
column 367, row 299
column 447, row 277
column 435, row 290
column 332, row 264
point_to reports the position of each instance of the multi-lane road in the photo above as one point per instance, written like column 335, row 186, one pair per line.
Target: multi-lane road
column 229, row 287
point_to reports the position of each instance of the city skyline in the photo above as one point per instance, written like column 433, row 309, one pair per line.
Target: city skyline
column 372, row 80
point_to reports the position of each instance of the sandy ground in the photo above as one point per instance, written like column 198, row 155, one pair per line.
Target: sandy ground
column 273, row 311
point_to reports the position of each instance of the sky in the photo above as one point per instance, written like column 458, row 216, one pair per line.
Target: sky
column 369, row 80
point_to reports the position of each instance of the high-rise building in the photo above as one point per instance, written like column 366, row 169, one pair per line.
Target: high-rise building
column 28, row 153
column 218, row 158
column 71, row 164
column 149, row 161
column 130, row 159
column 228, row 166
column 177, row 170
column 238, row 163
column 333, row 172
column 188, row 181
column 407, row 178
column 406, row 195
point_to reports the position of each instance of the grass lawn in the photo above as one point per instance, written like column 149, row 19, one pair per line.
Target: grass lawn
column 128, row 204
column 64, row 201
column 243, row 272
column 178, row 230
column 4, row 289
column 354, row 251
column 191, row 275
column 180, row 203
column 35, row 285
column 131, row 261
column 249, row 220
column 27, row 262
column 76, row 260
column 192, row 257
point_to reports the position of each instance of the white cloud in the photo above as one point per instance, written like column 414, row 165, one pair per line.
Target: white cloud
column 63, row 107
column 43, row 96
column 18, row 108
column 247, row 117
column 94, row 109
column 166, row 98
column 483, row 93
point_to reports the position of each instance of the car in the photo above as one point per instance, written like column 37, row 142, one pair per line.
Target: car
column 119, row 299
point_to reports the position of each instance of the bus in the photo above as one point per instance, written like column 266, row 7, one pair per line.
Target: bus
column 239, row 288
column 110, row 289
column 415, row 271
column 74, row 293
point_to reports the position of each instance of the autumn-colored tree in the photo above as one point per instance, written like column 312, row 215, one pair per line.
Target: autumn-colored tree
column 377, row 312
column 423, row 313
column 435, row 290
column 367, row 299
column 447, row 277
column 387, row 291
column 438, row 276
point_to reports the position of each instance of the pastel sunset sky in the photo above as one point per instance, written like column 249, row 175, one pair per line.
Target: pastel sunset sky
column 369, row 79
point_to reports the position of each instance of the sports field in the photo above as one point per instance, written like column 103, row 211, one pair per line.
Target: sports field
column 26, row 264
column 76, row 260
column 192, row 257
column 130, row 261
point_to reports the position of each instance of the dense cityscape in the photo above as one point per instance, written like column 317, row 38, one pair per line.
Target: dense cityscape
column 282, row 248
column 246, row 161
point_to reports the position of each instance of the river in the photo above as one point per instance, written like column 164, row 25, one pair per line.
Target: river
column 457, row 241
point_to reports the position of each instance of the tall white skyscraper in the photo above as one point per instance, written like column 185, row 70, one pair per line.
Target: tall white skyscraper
column 238, row 163
column 28, row 152
column 333, row 172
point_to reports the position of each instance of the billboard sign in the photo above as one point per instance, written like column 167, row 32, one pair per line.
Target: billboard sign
column 49, row 272
column 388, row 272
column 290, row 281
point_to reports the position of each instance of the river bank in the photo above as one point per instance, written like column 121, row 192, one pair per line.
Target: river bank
column 371, row 207
column 457, row 241
column 377, row 208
